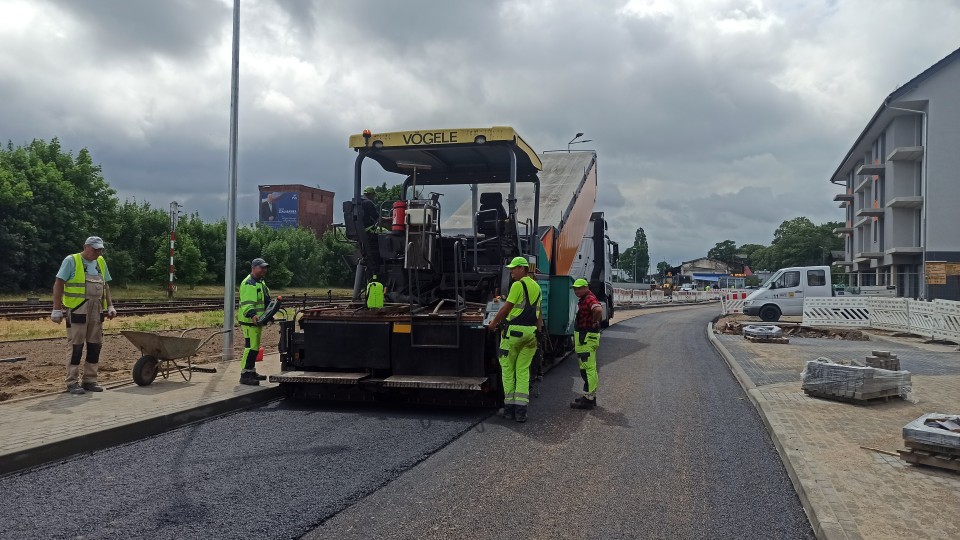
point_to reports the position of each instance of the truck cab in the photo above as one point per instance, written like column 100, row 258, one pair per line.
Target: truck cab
column 783, row 293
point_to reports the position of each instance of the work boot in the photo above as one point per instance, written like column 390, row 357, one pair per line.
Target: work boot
column 583, row 403
column 506, row 412
column 260, row 377
column 75, row 389
column 249, row 378
column 92, row 387
column 520, row 413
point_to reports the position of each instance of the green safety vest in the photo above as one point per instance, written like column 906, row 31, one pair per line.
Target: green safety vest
column 254, row 296
column 375, row 294
column 75, row 288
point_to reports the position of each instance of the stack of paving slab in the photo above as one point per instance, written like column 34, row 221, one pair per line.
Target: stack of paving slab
column 764, row 333
column 884, row 360
column 933, row 439
column 825, row 378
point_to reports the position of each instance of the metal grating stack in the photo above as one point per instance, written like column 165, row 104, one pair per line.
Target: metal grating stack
column 825, row 378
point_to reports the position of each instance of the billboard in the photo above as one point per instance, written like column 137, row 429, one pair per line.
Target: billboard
column 279, row 208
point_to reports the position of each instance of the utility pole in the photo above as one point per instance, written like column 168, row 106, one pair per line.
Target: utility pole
column 174, row 219
column 230, row 267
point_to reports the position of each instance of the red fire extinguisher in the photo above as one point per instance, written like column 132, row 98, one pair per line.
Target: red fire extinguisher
column 399, row 216
column 260, row 354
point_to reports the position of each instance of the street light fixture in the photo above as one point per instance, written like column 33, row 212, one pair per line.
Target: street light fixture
column 578, row 135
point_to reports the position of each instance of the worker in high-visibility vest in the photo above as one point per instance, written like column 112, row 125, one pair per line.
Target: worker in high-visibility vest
column 586, row 339
column 374, row 294
column 518, row 344
column 81, row 287
column 254, row 297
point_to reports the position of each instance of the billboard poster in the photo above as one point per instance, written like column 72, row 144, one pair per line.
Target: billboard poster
column 279, row 208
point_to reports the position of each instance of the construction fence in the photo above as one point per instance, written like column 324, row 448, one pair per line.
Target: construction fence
column 633, row 297
column 939, row 319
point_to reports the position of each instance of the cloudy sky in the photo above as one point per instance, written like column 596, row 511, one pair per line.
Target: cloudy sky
column 712, row 119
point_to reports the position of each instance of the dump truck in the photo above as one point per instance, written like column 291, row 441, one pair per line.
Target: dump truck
column 444, row 276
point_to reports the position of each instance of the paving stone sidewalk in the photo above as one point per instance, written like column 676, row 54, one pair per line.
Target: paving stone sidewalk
column 836, row 452
column 42, row 429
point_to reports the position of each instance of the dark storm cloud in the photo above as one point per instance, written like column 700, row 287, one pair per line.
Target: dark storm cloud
column 712, row 119
column 177, row 28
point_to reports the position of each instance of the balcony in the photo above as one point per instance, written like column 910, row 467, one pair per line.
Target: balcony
column 869, row 255
column 862, row 222
column 915, row 201
column 842, row 230
column 841, row 197
column 905, row 250
column 860, row 187
column 842, row 263
column 872, row 169
column 870, row 212
column 906, row 153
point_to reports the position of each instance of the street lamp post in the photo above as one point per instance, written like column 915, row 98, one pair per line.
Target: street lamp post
column 578, row 135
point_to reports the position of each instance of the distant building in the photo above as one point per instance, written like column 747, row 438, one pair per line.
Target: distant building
column 901, row 192
column 293, row 205
column 705, row 271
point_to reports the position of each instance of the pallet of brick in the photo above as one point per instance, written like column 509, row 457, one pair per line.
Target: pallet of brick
column 883, row 360
column 934, row 430
column 827, row 379
column 933, row 440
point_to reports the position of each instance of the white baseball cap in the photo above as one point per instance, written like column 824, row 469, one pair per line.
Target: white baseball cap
column 95, row 242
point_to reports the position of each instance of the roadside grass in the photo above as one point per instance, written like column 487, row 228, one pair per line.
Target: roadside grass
column 37, row 329
column 150, row 291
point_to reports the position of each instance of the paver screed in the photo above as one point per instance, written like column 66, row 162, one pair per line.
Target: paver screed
column 836, row 450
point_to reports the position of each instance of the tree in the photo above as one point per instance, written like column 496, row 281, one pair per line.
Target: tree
column 50, row 202
column 635, row 260
column 189, row 268
column 642, row 256
column 663, row 267
column 725, row 251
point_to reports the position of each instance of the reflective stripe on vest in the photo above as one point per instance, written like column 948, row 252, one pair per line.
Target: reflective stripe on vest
column 75, row 288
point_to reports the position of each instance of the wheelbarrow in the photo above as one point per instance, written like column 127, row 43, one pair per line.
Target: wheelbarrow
column 161, row 355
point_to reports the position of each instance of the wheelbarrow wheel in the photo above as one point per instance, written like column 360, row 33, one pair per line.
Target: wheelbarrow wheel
column 145, row 370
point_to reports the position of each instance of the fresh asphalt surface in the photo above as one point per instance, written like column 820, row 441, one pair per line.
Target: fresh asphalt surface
column 675, row 450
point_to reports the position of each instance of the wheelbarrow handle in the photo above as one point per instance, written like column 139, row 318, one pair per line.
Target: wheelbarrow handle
column 211, row 336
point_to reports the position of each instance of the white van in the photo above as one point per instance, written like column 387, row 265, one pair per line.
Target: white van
column 784, row 292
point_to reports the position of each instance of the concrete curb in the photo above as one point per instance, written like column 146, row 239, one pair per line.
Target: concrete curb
column 821, row 532
column 127, row 433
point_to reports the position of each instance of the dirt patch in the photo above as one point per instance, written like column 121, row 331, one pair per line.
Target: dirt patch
column 733, row 324
column 44, row 369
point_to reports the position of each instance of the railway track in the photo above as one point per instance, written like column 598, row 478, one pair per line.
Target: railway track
column 39, row 310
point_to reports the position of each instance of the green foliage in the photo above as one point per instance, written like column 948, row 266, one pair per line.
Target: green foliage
column 635, row 260
column 334, row 270
column 663, row 267
column 189, row 266
column 796, row 242
column 725, row 251
column 50, row 202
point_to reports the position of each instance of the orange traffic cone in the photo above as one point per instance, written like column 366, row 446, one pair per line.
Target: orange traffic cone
column 260, row 354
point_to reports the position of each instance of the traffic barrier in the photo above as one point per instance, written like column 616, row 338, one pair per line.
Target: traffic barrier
column 923, row 318
column 732, row 302
column 847, row 312
column 939, row 319
column 949, row 320
column 889, row 314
